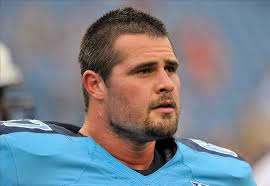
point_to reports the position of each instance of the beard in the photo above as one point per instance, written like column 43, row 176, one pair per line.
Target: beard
column 130, row 127
column 146, row 131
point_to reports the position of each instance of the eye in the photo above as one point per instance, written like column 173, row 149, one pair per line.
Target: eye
column 171, row 68
column 145, row 71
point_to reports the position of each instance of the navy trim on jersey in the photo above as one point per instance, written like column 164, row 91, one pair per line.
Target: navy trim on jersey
column 56, row 128
column 8, row 130
column 74, row 130
column 199, row 148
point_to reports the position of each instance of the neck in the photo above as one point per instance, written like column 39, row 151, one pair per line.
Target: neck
column 134, row 155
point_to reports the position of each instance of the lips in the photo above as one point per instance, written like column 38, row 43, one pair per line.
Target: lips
column 165, row 104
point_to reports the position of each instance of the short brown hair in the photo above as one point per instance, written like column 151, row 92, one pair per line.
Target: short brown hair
column 97, row 52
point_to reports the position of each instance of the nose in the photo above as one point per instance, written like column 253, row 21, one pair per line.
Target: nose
column 164, row 83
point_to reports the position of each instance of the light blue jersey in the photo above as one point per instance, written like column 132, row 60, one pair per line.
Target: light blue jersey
column 34, row 153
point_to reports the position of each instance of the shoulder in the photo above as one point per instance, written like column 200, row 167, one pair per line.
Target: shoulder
column 37, row 126
column 35, row 137
column 208, row 161
column 24, row 144
column 202, row 146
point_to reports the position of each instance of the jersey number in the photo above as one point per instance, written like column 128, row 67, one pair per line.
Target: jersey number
column 214, row 148
column 28, row 123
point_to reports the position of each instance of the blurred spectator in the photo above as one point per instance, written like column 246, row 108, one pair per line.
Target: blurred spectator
column 262, row 171
column 207, row 64
column 262, row 165
column 255, row 139
column 9, row 76
column 204, row 50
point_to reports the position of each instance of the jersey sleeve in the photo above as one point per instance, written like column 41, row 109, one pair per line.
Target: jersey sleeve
column 215, row 165
column 247, row 179
column 8, row 171
column 33, row 152
column 9, row 164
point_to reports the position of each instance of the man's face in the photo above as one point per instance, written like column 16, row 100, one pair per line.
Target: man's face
column 143, row 89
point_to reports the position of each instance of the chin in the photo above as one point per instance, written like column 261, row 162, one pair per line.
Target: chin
column 161, row 130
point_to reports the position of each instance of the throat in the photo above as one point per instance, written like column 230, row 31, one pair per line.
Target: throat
column 137, row 158
column 155, row 165
column 164, row 152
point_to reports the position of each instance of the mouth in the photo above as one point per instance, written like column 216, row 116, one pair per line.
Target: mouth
column 165, row 106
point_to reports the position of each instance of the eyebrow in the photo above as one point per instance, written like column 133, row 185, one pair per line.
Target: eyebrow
column 151, row 64
column 174, row 63
column 136, row 68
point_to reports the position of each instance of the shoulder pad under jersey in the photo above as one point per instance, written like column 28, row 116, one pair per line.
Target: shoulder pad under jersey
column 202, row 146
column 37, row 126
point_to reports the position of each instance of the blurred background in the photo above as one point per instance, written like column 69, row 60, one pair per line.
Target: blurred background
column 223, row 47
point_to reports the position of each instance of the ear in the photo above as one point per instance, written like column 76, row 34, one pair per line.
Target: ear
column 94, row 84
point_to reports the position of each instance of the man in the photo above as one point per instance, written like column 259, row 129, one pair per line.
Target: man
column 131, row 90
column 10, row 75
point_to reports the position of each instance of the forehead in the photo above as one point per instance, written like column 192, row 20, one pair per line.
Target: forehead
column 141, row 48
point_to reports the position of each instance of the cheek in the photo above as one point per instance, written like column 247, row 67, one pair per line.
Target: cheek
column 131, row 98
column 177, row 83
column 137, row 98
column 177, row 90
